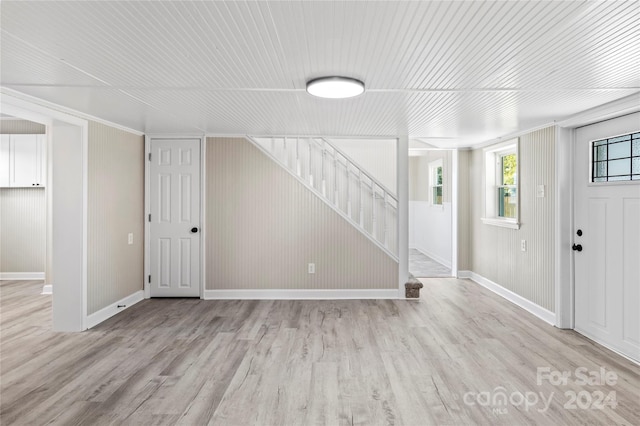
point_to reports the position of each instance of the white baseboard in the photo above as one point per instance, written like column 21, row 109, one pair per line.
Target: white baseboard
column 300, row 294
column 106, row 313
column 527, row 305
column 21, row 276
column 612, row 348
column 47, row 289
column 435, row 257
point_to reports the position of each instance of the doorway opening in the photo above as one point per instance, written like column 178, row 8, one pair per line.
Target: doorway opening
column 65, row 272
column 431, row 211
column 23, row 183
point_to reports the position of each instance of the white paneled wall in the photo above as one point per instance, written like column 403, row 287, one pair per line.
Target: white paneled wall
column 264, row 227
column 430, row 226
column 22, row 230
column 495, row 252
column 115, row 209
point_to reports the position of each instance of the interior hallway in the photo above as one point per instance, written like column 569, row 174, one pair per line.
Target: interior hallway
column 368, row 362
column 422, row 266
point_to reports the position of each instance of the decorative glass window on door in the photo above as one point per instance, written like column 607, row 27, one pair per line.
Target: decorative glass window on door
column 616, row 159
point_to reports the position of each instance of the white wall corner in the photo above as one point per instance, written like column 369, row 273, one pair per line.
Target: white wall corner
column 402, row 170
column 291, row 294
column 454, row 212
column 537, row 310
column 563, row 274
column 113, row 309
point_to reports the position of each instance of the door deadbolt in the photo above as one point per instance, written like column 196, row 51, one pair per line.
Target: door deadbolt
column 194, row 230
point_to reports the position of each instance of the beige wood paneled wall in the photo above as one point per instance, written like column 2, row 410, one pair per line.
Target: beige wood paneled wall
column 21, row 127
column 494, row 251
column 22, row 229
column 264, row 227
column 115, row 208
column 464, row 237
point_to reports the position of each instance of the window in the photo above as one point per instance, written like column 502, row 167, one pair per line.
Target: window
column 507, row 188
column 435, row 182
column 501, row 183
column 616, row 159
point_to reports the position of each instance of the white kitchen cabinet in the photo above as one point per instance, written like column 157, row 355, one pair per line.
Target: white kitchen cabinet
column 22, row 161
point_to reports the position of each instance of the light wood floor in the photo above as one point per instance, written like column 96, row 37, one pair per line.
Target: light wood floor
column 187, row 361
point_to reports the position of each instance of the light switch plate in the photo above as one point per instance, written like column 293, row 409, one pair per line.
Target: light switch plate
column 130, row 238
column 540, row 191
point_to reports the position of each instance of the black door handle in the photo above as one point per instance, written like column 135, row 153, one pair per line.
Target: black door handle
column 577, row 247
column 194, row 230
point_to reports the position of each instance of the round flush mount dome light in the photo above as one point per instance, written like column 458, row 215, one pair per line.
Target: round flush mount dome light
column 335, row 87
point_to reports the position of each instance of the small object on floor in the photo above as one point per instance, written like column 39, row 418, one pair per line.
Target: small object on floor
column 412, row 288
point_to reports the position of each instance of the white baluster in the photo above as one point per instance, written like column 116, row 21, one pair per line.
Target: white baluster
column 310, row 161
column 336, row 196
column 323, row 185
column 360, row 188
column 384, row 218
column 298, row 165
column 285, row 153
column 348, row 175
column 373, row 211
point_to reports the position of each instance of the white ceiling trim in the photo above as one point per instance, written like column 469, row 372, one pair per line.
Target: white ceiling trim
column 21, row 96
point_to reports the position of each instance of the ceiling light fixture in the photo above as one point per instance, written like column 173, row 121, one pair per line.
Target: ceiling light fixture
column 335, row 87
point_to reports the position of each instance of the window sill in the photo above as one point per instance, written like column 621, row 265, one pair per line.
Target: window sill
column 504, row 223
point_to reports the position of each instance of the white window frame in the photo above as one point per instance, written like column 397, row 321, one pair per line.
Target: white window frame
column 493, row 178
column 433, row 167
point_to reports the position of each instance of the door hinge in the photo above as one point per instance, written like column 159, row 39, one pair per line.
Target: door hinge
column 149, row 156
column 149, row 279
column 149, row 217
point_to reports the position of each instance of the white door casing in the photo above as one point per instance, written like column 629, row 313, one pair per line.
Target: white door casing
column 607, row 270
column 175, row 218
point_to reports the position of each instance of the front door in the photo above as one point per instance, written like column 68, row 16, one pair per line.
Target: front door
column 175, row 217
column 607, row 233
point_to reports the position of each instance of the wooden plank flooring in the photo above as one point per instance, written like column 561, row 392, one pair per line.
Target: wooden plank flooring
column 195, row 362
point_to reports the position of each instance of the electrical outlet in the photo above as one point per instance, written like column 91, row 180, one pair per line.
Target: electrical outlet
column 523, row 245
column 130, row 238
column 312, row 268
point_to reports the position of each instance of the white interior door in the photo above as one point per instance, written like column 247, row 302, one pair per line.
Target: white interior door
column 607, row 253
column 175, row 218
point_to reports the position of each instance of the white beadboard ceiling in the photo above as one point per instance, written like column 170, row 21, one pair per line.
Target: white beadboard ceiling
column 448, row 73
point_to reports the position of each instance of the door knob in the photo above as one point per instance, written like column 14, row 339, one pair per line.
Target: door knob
column 577, row 247
column 194, row 230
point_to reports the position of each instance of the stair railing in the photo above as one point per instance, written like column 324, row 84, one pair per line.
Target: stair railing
column 379, row 223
